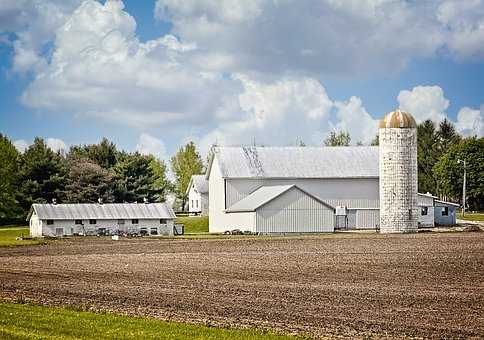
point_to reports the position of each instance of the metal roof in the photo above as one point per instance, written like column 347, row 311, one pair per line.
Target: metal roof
column 439, row 203
column 102, row 211
column 264, row 195
column 298, row 162
column 200, row 182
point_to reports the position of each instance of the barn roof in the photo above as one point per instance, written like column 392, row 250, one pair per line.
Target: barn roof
column 264, row 195
column 102, row 211
column 200, row 182
column 297, row 162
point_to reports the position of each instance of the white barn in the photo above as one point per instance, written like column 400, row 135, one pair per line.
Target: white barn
column 320, row 180
column 298, row 189
column 91, row 219
column 197, row 192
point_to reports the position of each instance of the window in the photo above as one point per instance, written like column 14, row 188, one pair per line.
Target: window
column 193, row 205
column 78, row 222
column 143, row 231
column 445, row 211
column 162, row 221
column 424, row 211
column 154, row 231
column 50, row 222
column 92, row 221
column 197, row 203
column 120, row 221
column 134, row 221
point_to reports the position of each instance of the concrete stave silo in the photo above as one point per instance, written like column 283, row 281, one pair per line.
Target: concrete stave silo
column 398, row 173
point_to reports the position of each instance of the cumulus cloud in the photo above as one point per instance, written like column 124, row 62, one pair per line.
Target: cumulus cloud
column 424, row 102
column 21, row 145
column 55, row 144
column 470, row 122
column 149, row 145
column 429, row 102
column 354, row 118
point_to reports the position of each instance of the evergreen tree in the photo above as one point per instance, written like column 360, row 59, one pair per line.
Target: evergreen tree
column 446, row 136
column 338, row 139
column 161, row 184
column 42, row 175
column 134, row 179
column 426, row 156
column 185, row 163
column 104, row 154
column 9, row 208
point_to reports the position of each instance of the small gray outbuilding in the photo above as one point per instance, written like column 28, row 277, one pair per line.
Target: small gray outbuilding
column 91, row 219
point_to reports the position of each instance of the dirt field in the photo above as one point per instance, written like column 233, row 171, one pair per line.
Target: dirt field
column 425, row 285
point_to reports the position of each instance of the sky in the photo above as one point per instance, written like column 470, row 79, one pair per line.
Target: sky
column 153, row 75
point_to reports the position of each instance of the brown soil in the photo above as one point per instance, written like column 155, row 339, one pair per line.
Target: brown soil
column 420, row 285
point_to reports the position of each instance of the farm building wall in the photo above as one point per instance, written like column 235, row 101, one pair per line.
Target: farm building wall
column 68, row 227
column 204, row 203
column 426, row 211
column 35, row 226
column 350, row 192
column 439, row 213
column 294, row 211
column 219, row 220
column 194, row 201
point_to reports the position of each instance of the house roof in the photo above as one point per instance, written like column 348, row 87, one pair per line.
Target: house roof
column 297, row 162
column 264, row 195
column 439, row 203
column 102, row 211
column 200, row 182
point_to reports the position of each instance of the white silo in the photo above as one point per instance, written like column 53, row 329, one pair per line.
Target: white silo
column 398, row 173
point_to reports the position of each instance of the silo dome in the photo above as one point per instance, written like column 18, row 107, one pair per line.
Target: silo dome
column 398, row 119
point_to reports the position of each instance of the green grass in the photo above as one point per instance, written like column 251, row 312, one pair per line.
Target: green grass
column 194, row 225
column 25, row 321
column 471, row 217
column 8, row 235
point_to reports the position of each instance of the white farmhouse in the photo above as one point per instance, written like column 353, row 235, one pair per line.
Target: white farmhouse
column 197, row 192
column 299, row 189
column 90, row 219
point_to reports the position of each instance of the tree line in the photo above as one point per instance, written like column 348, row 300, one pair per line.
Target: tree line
column 86, row 174
column 440, row 155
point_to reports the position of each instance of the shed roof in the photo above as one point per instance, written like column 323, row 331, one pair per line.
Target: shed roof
column 297, row 162
column 439, row 203
column 200, row 182
column 102, row 211
column 264, row 195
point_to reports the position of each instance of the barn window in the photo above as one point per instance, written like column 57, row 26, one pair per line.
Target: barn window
column 154, row 231
column 78, row 222
column 134, row 221
column 120, row 221
column 424, row 211
column 92, row 221
column 50, row 222
column 445, row 211
column 197, row 203
column 162, row 221
column 193, row 205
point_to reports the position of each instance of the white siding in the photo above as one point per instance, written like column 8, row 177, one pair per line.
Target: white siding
column 219, row 220
column 367, row 218
column 69, row 227
column 294, row 211
column 194, row 200
column 204, row 200
column 350, row 192
column 35, row 226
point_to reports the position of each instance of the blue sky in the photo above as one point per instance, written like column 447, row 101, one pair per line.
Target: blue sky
column 153, row 75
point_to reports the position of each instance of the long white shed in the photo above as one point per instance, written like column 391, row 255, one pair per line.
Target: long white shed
column 85, row 219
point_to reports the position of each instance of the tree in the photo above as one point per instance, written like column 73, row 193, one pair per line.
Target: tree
column 185, row 163
column 161, row 184
column 134, row 179
column 104, row 154
column 426, row 156
column 338, row 139
column 87, row 182
column 375, row 141
column 446, row 136
column 41, row 174
column 449, row 173
column 9, row 155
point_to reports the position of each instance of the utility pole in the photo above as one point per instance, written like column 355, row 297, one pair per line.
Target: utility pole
column 463, row 188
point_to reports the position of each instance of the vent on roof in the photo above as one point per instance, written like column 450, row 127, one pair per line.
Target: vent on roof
column 145, row 200
column 54, row 201
column 100, row 200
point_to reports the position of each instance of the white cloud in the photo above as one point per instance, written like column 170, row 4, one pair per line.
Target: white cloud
column 424, row 102
column 149, row 145
column 354, row 118
column 21, row 145
column 470, row 122
column 56, row 144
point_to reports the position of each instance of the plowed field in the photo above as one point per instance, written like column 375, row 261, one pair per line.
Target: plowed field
column 421, row 285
